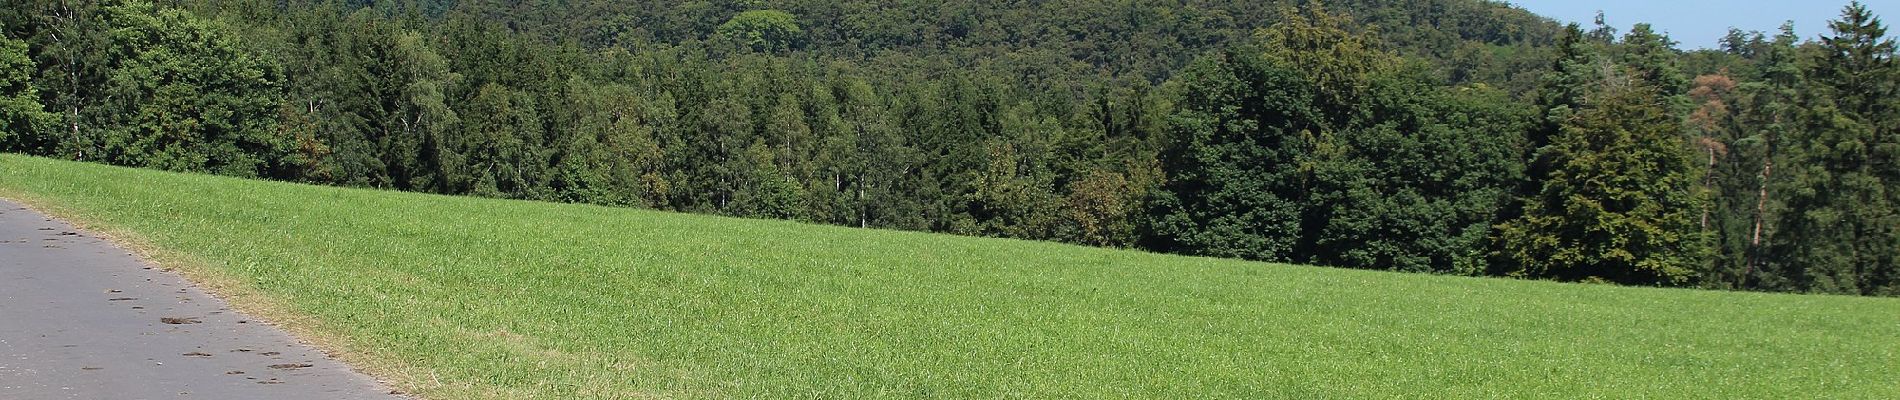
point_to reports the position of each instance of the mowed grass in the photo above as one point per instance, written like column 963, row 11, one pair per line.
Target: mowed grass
column 470, row 298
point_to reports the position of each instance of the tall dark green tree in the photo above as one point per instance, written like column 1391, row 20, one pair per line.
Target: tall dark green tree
column 379, row 97
column 868, row 160
column 69, row 42
column 1653, row 58
column 1420, row 190
column 504, row 140
column 1741, row 117
column 22, row 117
column 1578, row 66
column 613, row 156
column 1366, row 165
column 182, row 94
column 1767, row 113
column 1234, row 185
column 1621, row 200
column 1840, row 231
column 1014, row 194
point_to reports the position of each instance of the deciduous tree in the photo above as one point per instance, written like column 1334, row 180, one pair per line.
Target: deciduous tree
column 1622, row 199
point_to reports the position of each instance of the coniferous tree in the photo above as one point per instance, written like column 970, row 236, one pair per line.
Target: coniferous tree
column 1838, row 232
column 502, row 136
column 1653, row 58
column 1577, row 67
column 1767, row 115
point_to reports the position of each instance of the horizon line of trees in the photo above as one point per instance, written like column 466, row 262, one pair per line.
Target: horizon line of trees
column 1472, row 138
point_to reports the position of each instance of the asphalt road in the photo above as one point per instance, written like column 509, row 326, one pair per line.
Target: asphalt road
column 81, row 318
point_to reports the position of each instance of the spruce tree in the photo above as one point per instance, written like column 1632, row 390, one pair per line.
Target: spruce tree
column 1653, row 57
column 1838, row 233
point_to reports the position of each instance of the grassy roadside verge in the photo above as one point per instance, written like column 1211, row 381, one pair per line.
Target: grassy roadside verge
column 471, row 298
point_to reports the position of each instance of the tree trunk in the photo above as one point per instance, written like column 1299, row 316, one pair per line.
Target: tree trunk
column 1707, row 180
column 863, row 211
column 1761, row 208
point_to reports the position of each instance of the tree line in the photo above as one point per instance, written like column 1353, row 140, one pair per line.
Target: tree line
column 1442, row 136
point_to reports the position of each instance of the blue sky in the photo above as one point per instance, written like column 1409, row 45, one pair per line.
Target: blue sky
column 1699, row 23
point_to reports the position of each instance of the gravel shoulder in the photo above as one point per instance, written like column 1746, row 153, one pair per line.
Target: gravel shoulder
column 81, row 318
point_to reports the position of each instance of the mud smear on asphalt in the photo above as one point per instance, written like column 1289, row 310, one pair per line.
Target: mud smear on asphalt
column 179, row 320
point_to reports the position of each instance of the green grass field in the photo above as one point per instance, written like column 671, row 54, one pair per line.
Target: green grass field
column 469, row 298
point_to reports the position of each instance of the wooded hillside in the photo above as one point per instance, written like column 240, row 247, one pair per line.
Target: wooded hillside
column 1443, row 136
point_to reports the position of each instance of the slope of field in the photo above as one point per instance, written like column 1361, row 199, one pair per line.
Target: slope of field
column 459, row 297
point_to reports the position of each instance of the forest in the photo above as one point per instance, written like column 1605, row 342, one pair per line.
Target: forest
column 1463, row 137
